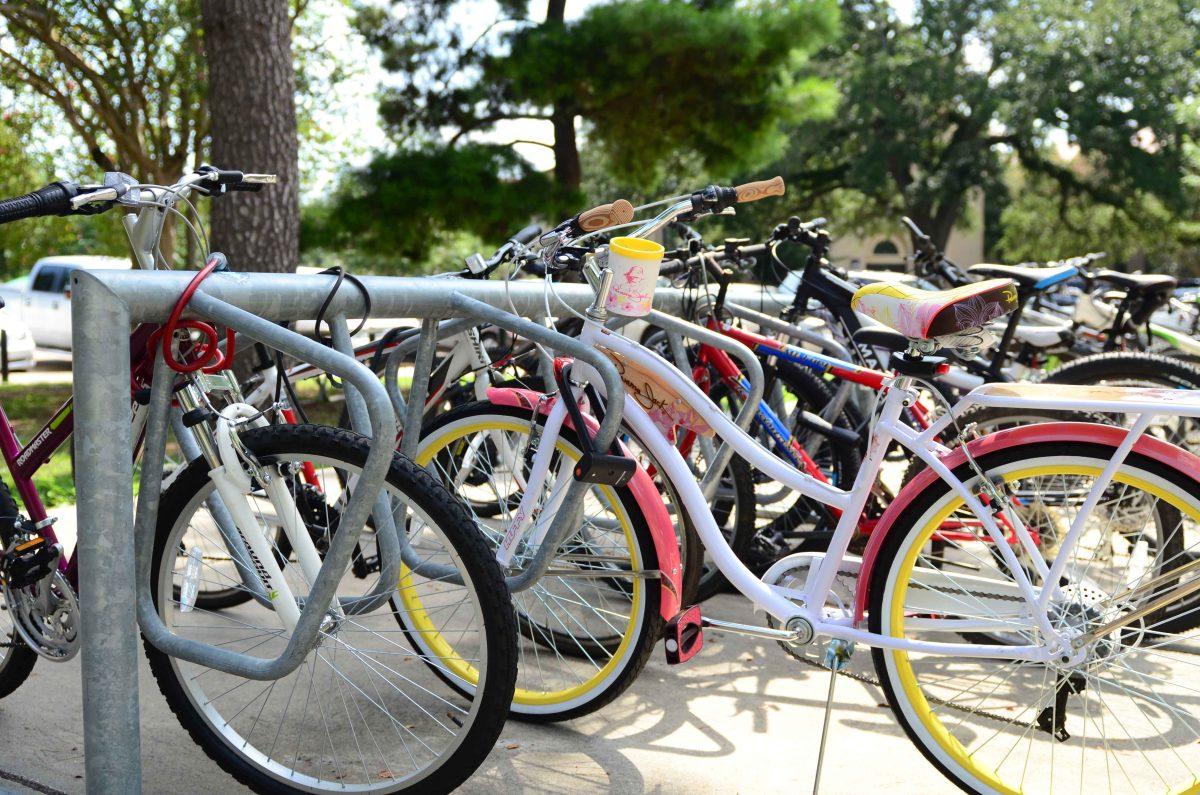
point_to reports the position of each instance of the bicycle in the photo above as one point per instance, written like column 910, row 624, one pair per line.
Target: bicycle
column 1086, row 618
column 249, row 480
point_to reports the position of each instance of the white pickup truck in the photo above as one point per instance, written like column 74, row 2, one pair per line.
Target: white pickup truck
column 42, row 300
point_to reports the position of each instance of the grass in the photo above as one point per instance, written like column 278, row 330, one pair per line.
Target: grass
column 30, row 406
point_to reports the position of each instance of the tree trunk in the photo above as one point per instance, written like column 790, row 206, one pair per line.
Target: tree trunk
column 252, row 96
column 568, row 173
column 938, row 224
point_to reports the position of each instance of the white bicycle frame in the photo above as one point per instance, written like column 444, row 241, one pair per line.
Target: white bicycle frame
column 809, row 603
column 227, row 471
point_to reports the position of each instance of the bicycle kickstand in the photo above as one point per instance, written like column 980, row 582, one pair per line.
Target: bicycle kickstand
column 837, row 657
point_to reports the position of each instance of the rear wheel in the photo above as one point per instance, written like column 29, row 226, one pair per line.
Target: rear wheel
column 1121, row 718
column 16, row 658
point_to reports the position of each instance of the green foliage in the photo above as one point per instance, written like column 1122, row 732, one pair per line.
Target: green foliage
column 122, row 76
column 393, row 212
column 654, row 78
column 933, row 107
column 22, row 168
column 1041, row 223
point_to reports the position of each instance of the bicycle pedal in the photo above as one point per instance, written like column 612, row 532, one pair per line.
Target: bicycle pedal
column 684, row 636
column 30, row 561
column 604, row 469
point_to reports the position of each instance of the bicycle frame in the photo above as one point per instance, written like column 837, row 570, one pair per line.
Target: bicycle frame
column 24, row 461
column 808, row 604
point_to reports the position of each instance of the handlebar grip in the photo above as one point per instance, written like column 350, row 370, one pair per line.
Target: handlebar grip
column 753, row 191
column 606, row 215
column 53, row 199
column 527, row 235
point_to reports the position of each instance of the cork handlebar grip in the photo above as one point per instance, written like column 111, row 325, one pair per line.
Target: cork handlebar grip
column 606, row 215
column 753, row 191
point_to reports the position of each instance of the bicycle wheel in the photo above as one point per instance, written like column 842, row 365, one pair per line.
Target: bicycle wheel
column 357, row 715
column 1132, row 368
column 1122, row 718
column 16, row 658
column 588, row 627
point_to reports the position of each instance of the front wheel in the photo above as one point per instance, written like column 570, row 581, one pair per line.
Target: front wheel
column 367, row 710
column 588, row 625
column 1125, row 716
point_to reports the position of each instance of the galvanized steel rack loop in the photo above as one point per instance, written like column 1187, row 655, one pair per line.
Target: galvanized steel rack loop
column 105, row 304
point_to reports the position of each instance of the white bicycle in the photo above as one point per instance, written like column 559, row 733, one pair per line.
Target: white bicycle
column 1027, row 597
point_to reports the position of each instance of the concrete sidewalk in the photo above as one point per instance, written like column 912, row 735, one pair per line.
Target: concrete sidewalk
column 741, row 717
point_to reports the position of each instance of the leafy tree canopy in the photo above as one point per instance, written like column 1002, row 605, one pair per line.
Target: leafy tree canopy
column 396, row 209
column 646, row 78
column 931, row 107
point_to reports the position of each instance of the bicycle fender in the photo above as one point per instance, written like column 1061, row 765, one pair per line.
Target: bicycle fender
column 1040, row 433
column 641, row 486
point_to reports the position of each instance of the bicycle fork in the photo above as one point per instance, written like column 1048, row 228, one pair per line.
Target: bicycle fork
column 234, row 486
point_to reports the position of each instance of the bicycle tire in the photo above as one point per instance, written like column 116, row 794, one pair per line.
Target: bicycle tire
column 16, row 658
column 949, row 747
column 481, row 577
column 570, row 688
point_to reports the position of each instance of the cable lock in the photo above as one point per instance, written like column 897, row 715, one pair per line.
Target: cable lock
column 207, row 357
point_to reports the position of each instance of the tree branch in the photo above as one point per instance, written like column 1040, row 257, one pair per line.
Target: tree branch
column 531, row 143
column 483, row 121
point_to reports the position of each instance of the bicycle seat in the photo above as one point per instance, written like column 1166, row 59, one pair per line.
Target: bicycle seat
column 1027, row 277
column 1138, row 282
column 1043, row 335
column 936, row 314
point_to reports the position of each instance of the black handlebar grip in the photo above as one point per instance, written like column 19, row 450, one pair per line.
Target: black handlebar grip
column 527, row 235
column 54, row 199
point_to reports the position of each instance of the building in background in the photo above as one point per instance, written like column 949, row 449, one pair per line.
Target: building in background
column 888, row 252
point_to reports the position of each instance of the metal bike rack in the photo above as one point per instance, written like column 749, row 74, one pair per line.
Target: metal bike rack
column 104, row 305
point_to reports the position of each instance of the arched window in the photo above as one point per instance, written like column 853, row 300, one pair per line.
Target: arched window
column 886, row 247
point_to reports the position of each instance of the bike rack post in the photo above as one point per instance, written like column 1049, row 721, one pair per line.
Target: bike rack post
column 104, row 492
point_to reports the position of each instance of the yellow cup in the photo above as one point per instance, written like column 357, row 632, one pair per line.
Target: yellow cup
column 634, row 262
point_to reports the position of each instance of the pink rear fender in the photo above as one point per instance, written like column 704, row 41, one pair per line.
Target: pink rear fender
column 1041, row 433
column 662, row 530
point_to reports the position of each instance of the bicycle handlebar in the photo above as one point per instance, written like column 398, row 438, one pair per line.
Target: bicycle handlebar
column 527, row 235
column 604, row 216
column 53, row 199
column 753, row 191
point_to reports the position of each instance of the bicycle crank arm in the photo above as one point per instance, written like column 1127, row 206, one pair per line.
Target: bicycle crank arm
column 752, row 630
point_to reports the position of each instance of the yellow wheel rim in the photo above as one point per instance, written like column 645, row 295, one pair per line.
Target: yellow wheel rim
column 915, row 696
column 444, row 650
